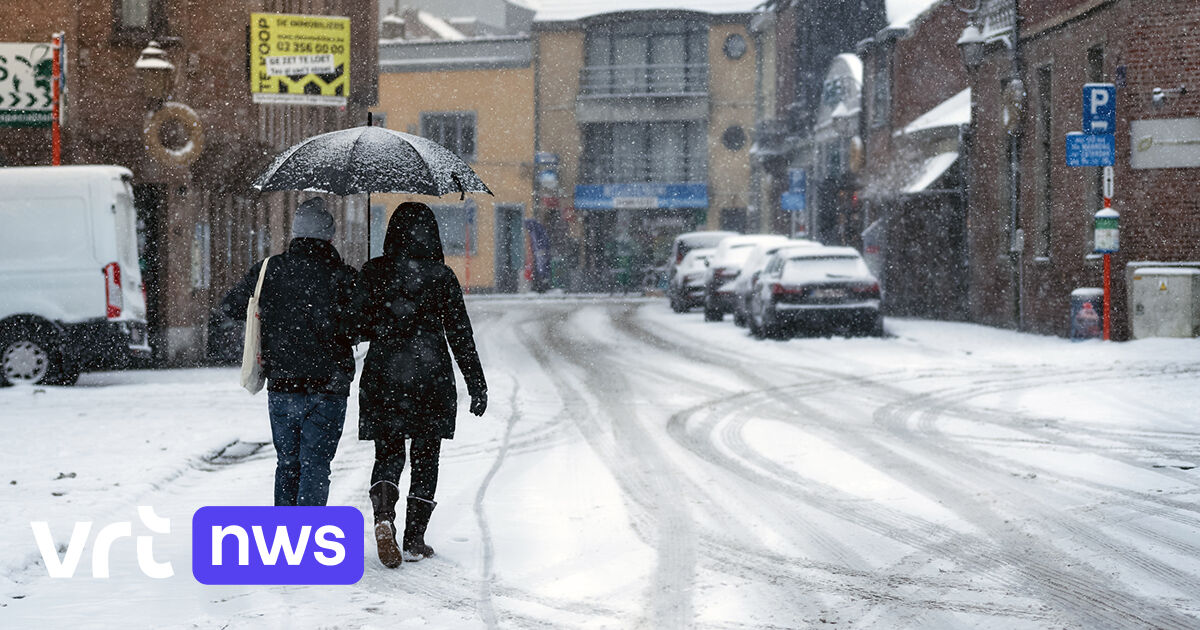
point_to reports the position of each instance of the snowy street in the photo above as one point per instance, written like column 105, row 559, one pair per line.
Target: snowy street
column 642, row 469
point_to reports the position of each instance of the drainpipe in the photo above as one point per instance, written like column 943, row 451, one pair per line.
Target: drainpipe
column 1015, row 136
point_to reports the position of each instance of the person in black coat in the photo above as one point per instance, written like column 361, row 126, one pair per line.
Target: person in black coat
column 309, row 312
column 414, row 306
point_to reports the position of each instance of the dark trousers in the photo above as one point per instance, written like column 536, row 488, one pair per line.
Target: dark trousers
column 389, row 463
column 306, row 429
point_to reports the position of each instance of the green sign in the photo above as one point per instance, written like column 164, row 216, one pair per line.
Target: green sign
column 25, row 76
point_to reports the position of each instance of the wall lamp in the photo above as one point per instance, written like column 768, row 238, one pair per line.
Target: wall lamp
column 1158, row 96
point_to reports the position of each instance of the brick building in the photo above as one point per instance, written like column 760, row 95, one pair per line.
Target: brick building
column 1031, row 216
column 200, row 223
column 916, row 115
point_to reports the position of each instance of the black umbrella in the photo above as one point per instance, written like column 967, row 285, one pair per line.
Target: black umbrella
column 370, row 160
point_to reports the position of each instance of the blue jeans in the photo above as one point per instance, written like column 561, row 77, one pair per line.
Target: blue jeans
column 306, row 429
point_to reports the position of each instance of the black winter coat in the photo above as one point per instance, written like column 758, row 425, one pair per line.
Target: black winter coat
column 414, row 306
column 310, row 317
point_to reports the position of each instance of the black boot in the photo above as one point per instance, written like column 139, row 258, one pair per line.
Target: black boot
column 416, row 520
column 384, row 495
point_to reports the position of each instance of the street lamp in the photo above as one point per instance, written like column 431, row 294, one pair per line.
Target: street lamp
column 156, row 72
column 970, row 45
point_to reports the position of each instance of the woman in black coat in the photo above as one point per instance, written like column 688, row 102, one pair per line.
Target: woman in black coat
column 414, row 306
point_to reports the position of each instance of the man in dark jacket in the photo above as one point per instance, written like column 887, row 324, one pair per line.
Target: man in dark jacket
column 308, row 316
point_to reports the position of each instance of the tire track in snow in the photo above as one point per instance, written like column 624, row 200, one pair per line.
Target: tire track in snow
column 634, row 461
column 1081, row 599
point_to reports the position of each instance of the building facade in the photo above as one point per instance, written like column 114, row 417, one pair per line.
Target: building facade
column 647, row 117
column 201, row 225
column 475, row 97
column 1031, row 215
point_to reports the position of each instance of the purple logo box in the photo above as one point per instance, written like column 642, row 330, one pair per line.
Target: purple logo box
column 277, row 545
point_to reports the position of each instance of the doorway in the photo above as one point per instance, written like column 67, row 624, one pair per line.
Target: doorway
column 510, row 246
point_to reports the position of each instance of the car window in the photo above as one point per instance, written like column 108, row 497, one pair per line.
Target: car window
column 809, row 269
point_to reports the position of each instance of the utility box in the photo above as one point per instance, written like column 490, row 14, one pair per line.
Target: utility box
column 1164, row 302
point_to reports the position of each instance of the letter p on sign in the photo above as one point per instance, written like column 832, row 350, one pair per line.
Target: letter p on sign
column 1099, row 108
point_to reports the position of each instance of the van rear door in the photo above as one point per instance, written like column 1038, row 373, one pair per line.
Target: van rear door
column 125, row 227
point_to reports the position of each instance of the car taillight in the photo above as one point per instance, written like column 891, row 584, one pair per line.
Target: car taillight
column 724, row 273
column 783, row 289
column 867, row 290
column 112, row 290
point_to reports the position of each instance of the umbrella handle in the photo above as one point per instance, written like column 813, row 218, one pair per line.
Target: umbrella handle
column 462, row 192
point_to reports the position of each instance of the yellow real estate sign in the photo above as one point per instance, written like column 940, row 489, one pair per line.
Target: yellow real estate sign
column 299, row 59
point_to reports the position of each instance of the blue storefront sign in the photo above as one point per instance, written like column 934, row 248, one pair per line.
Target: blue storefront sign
column 641, row 196
column 1087, row 149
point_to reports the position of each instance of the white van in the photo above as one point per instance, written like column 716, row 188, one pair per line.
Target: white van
column 71, row 294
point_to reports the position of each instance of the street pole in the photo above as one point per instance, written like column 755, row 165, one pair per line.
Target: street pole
column 56, row 95
column 1108, row 193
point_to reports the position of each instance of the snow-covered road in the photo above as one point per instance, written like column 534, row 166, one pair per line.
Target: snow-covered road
column 641, row 469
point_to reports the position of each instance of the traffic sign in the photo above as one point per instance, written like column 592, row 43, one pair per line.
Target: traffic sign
column 1099, row 108
column 1089, row 149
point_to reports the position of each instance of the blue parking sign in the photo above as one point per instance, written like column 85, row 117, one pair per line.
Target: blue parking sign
column 1099, row 108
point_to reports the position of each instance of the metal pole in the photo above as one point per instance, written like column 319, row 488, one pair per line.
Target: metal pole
column 1107, row 296
column 56, row 95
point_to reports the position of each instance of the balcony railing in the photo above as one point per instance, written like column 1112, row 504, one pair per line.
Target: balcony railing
column 609, row 169
column 644, row 80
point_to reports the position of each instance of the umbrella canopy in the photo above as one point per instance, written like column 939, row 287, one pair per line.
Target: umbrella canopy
column 370, row 160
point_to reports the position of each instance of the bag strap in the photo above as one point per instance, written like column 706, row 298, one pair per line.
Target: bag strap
column 262, row 273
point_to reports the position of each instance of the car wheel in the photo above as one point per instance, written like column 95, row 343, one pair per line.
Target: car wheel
column 739, row 319
column 712, row 314
column 677, row 305
column 30, row 356
column 876, row 329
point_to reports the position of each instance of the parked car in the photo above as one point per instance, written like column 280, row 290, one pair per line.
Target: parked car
column 688, row 241
column 829, row 288
column 744, row 285
column 723, row 269
column 687, row 287
column 71, row 294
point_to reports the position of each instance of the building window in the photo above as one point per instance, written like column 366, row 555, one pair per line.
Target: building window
column 881, row 89
column 138, row 20
column 646, row 58
column 455, row 229
column 1045, row 111
column 453, row 130
column 640, row 152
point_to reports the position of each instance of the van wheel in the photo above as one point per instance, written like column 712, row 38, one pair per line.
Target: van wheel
column 29, row 356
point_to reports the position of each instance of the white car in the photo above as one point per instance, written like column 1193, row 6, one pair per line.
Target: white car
column 829, row 288
column 687, row 287
column 723, row 269
column 71, row 294
column 688, row 241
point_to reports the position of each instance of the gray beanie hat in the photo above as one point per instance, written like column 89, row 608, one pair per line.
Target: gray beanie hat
column 313, row 221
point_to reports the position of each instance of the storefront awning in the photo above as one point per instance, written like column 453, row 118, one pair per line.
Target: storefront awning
column 931, row 170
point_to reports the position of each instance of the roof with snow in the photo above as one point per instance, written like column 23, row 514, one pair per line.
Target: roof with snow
column 901, row 12
column 951, row 112
column 565, row 10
